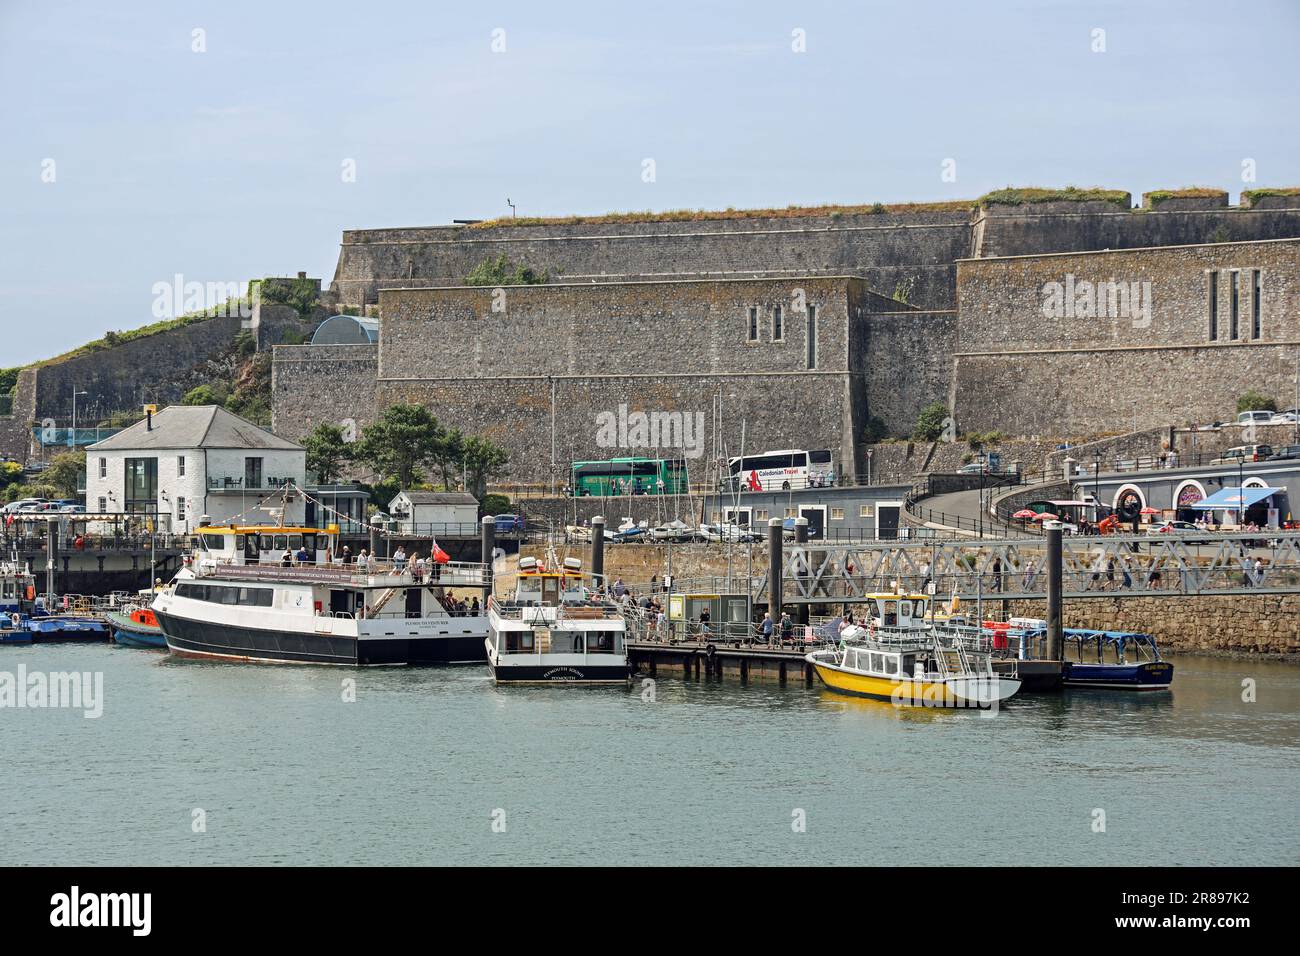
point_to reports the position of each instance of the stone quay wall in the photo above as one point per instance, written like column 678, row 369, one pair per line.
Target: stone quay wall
column 1229, row 625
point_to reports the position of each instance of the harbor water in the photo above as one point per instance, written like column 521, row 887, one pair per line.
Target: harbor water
column 195, row 763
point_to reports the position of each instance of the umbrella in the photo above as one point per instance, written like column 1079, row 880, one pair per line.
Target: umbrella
column 1149, row 511
column 1045, row 516
column 1024, row 513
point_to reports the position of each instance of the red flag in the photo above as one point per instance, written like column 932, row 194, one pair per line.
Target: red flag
column 440, row 556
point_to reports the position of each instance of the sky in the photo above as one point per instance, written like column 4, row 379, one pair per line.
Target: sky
column 224, row 141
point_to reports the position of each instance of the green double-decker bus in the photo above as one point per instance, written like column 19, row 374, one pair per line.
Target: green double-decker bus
column 629, row 476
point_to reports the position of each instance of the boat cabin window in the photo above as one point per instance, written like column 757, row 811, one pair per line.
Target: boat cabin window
column 221, row 594
column 603, row 642
column 905, row 609
column 215, row 542
column 889, row 614
column 519, row 642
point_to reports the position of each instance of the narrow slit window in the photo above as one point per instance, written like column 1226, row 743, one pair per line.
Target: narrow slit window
column 778, row 330
column 1256, row 312
column 1214, row 306
column 812, row 336
column 753, row 323
column 1235, row 286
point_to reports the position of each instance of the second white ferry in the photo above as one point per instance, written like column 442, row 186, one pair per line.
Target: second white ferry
column 269, row 595
column 556, row 629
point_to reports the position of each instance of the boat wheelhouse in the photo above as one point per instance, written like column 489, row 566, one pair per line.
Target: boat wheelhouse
column 899, row 658
column 17, row 588
column 555, row 629
column 248, row 595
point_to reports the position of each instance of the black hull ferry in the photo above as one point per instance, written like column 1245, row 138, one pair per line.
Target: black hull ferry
column 556, row 630
column 239, row 600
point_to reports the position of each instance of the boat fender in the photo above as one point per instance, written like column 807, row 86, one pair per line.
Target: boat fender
column 710, row 650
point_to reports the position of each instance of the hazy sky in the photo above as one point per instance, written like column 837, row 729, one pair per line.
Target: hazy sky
column 228, row 164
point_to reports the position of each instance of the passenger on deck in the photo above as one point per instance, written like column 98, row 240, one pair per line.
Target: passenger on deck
column 286, row 561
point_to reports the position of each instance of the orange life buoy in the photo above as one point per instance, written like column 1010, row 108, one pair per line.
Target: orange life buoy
column 31, row 592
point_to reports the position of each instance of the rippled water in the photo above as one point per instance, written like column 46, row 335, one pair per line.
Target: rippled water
column 416, row 769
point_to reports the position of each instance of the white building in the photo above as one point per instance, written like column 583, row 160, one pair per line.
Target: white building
column 435, row 512
column 192, row 460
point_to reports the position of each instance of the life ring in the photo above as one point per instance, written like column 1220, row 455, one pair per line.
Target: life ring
column 31, row 592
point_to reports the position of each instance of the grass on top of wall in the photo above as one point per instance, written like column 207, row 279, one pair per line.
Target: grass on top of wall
column 1029, row 195
column 1156, row 197
column 702, row 215
column 1250, row 195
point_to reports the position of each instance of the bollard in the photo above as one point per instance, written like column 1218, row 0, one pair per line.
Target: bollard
column 1055, row 633
column 800, row 539
column 487, row 547
column 52, row 559
column 775, row 599
column 598, row 551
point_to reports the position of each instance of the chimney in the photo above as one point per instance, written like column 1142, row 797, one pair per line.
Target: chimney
column 148, row 419
column 302, row 275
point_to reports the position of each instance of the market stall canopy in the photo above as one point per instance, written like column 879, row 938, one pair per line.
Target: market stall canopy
column 1234, row 499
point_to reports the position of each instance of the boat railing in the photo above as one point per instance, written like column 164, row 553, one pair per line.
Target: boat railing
column 453, row 574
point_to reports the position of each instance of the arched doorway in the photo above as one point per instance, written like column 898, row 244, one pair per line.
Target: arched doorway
column 1128, row 503
column 1188, row 494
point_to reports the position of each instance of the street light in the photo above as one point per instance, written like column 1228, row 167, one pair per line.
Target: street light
column 72, row 439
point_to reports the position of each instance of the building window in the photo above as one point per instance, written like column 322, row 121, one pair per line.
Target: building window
column 103, row 506
column 1235, row 299
column 789, row 513
column 141, row 486
column 180, row 466
column 760, row 515
column 778, row 328
column 103, row 468
column 252, row 473
column 1214, row 306
column 837, row 514
column 180, row 507
column 1256, row 314
column 864, row 511
column 812, row 336
column 753, row 323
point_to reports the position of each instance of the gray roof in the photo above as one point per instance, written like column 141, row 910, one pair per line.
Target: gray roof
column 346, row 330
column 194, row 426
column 440, row 498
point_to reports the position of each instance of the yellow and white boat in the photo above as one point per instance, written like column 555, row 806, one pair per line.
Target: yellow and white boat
column 898, row 658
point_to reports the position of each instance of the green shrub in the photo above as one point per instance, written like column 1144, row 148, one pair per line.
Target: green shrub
column 932, row 421
column 1255, row 401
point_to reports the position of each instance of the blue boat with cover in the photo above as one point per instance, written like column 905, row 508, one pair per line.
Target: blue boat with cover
column 1115, row 660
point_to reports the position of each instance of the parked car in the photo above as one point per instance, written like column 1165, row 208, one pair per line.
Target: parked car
column 1285, row 453
column 974, row 468
column 72, row 510
column 1178, row 528
column 1256, row 417
column 1288, row 417
column 1243, row 453
column 509, row 524
column 21, row 504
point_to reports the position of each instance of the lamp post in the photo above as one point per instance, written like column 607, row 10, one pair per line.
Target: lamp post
column 153, row 539
column 72, row 439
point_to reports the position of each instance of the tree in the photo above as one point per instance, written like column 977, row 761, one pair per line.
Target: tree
column 209, row 394
column 1254, row 401
column 500, row 271
column 450, row 457
column 484, row 460
column 65, row 473
column 932, row 421
column 327, row 450
column 402, row 439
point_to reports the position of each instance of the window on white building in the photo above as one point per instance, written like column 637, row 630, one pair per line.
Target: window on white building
column 103, row 467
column 180, row 466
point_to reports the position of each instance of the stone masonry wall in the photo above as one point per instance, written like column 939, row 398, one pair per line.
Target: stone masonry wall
column 1022, row 371
column 315, row 384
column 807, row 410
column 907, row 364
column 149, row 369
column 16, row 429
column 885, row 249
column 631, row 328
column 1263, row 624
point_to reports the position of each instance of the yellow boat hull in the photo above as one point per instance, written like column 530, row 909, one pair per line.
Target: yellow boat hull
column 955, row 692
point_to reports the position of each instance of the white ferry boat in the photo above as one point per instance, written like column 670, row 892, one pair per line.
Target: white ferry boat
column 555, row 630
column 240, row 599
